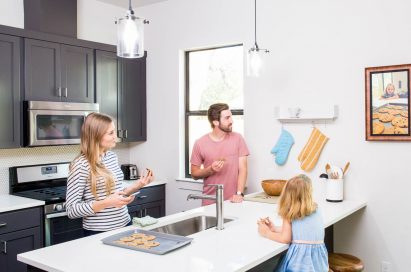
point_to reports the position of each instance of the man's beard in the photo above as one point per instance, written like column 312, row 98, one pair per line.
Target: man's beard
column 226, row 129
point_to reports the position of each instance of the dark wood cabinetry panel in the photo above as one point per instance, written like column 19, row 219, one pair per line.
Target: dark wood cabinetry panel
column 57, row 72
column 77, row 73
column 21, row 231
column 121, row 93
column 10, row 84
column 151, row 201
column 42, row 71
column 107, row 82
column 132, row 99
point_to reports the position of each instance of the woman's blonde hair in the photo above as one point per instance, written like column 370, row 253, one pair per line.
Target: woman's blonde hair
column 94, row 127
column 296, row 199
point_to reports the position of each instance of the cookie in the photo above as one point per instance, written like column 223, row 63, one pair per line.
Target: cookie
column 394, row 112
column 152, row 243
column 398, row 130
column 377, row 128
column 400, row 122
column 376, row 115
column 389, row 130
column 404, row 114
column 149, row 237
column 386, row 117
column 127, row 239
column 383, row 110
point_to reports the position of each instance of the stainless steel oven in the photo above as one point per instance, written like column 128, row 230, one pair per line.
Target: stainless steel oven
column 54, row 123
column 47, row 182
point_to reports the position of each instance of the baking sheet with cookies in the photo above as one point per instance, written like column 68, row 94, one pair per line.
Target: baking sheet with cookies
column 390, row 119
column 147, row 241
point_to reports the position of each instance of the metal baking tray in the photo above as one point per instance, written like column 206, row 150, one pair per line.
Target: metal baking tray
column 168, row 242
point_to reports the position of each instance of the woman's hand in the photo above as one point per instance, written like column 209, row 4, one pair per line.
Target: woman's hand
column 144, row 180
column 118, row 199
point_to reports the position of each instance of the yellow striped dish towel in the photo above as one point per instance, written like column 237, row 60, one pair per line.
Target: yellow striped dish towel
column 311, row 152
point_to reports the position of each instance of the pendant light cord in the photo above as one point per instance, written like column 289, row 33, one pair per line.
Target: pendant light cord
column 255, row 24
column 129, row 7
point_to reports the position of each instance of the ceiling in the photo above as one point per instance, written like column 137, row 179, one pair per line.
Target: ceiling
column 134, row 3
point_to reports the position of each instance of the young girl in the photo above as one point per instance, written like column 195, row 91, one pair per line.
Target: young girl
column 302, row 227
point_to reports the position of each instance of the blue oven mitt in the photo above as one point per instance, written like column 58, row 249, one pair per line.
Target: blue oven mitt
column 282, row 147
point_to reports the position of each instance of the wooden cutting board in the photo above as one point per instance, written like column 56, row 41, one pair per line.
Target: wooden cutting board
column 261, row 197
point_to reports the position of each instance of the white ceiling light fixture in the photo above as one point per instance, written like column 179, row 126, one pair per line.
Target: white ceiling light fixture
column 130, row 35
column 254, row 59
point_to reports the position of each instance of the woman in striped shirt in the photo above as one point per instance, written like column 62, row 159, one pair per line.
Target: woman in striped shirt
column 94, row 189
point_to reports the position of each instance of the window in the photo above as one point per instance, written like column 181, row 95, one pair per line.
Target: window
column 212, row 76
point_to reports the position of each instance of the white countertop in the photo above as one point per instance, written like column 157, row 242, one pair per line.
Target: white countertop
column 11, row 202
column 236, row 248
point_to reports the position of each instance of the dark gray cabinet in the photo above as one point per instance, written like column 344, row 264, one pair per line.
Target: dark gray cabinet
column 10, row 79
column 20, row 231
column 121, row 93
column 58, row 72
column 150, row 201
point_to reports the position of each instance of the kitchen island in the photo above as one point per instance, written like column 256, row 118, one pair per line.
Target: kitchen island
column 238, row 247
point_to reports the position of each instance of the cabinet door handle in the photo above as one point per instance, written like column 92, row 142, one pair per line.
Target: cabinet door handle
column 65, row 92
column 119, row 133
column 125, row 133
column 3, row 224
column 4, row 246
column 141, row 197
column 145, row 212
column 59, row 92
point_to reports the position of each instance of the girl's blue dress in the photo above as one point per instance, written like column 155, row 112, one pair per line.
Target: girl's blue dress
column 306, row 257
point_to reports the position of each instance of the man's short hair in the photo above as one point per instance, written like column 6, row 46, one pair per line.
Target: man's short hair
column 214, row 112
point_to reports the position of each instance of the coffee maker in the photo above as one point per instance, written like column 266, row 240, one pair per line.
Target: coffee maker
column 130, row 171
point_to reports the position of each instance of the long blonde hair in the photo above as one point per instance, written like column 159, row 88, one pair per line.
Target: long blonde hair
column 94, row 127
column 296, row 199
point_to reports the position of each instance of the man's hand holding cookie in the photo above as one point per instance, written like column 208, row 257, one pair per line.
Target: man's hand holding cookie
column 217, row 165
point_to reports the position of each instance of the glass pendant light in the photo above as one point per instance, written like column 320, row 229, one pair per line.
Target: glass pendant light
column 130, row 35
column 254, row 58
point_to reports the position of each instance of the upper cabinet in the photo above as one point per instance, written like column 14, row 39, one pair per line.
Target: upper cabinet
column 132, row 100
column 10, row 79
column 58, row 72
column 121, row 93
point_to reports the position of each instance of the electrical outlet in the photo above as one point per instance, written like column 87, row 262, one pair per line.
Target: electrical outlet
column 385, row 266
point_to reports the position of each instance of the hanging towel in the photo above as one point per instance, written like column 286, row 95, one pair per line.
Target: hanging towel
column 282, row 147
column 311, row 152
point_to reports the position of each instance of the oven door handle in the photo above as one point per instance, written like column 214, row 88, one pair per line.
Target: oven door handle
column 54, row 215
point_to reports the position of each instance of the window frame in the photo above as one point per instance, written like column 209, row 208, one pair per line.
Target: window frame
column 188, row 113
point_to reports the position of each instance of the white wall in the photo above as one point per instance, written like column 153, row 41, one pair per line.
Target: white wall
column 318, row 54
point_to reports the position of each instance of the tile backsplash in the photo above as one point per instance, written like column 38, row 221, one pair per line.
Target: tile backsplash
column 40, row 155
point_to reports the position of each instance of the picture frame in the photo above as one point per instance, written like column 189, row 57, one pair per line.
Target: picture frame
column 387, row 103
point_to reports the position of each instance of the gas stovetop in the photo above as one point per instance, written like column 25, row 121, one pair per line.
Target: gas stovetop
column 49, row 195
column 47, row 182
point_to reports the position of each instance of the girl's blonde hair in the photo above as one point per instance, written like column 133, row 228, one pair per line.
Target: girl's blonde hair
column 296, row 199
column 94, row 127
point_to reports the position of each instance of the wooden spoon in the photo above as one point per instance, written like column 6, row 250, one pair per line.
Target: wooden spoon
column 346, row 167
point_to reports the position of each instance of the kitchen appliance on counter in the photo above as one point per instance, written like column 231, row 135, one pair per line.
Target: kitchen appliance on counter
column 47, row 182
column 54, row 123
column 130, row 171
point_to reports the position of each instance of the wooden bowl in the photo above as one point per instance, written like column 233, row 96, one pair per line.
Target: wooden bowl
column 273, row 187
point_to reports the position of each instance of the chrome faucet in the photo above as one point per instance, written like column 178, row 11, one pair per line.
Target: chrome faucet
column 219, row 199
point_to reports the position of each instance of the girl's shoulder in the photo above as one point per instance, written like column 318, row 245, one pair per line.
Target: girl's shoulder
column 80, row 162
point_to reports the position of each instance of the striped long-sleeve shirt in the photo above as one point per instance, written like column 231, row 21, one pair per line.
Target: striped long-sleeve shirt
column 79, row 198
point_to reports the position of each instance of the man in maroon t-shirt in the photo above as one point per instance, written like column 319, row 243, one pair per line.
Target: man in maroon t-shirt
column 220, row 157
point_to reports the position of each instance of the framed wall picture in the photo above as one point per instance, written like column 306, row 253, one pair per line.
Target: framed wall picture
column 387, row 103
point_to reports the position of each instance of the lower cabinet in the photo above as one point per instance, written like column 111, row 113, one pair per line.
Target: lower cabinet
column 150, row 201
column 20, row 231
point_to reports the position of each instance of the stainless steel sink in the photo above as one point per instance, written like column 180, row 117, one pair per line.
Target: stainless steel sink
column 191, row 225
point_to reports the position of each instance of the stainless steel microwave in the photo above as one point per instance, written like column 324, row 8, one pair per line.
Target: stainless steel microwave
column 54, row 123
